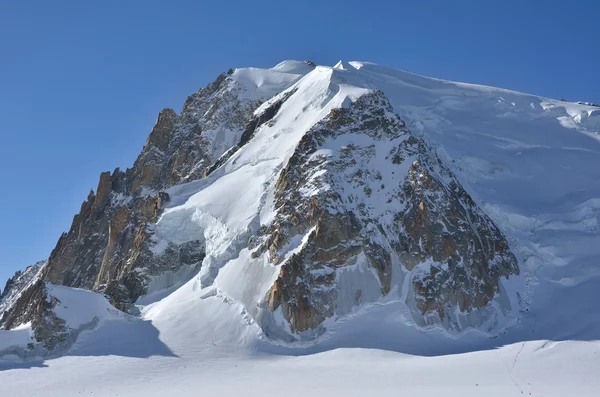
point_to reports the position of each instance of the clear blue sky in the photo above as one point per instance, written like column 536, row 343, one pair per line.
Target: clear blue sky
column 81, row 82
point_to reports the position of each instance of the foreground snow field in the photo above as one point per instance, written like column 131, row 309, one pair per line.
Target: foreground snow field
column 342, row 372
column 211, row 350
column 531, row 163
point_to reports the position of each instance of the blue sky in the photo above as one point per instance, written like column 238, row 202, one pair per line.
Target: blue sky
column 81, row 83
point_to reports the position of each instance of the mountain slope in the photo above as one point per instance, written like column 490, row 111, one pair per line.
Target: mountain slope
column 106, row 248
column 355, row 206
column 225, row 211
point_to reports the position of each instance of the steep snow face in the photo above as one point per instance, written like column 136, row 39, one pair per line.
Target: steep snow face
column 232, row 202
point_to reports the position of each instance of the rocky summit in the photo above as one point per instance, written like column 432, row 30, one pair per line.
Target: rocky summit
column 305, row 195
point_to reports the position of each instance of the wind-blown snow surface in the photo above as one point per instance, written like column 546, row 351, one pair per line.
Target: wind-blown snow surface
column 531, row 162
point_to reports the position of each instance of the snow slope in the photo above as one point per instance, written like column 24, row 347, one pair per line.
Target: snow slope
column 531, row 162
column 264, row 83
column 79, row 309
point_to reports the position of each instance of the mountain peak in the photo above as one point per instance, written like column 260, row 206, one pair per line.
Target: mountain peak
column 282, row 205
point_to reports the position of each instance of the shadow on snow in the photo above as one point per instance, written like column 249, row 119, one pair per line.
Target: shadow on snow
column 131, row 337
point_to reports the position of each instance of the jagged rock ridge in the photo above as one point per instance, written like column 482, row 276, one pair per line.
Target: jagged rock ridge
column 107, row 249
column 107, row 240
column 17, row 284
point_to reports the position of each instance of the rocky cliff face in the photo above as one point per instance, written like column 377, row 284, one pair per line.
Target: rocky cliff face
column 363, row 208
column 17, row 284
column 376, row 206
column 107, row 249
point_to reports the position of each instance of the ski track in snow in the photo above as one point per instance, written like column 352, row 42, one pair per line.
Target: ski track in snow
column 531, row 163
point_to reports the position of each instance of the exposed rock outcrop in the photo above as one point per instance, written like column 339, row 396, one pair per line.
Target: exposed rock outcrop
column 35, row 304
column 380, row 201
column 17, row 284
column 107, row 247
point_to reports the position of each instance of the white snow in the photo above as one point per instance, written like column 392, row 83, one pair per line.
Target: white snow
column 531, row 163
column 80, row 307
column 19, row 336
column 264, row 83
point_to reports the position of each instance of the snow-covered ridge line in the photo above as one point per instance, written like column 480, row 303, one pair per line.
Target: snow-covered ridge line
column 481, row 87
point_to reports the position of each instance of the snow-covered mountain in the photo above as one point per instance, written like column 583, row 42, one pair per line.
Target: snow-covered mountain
column 304, row 208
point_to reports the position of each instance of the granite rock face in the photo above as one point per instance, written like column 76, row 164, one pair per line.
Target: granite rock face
column 107, row 247
column 17, row 284
column 37, row 308
column 376, row 205
column 109, row 237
